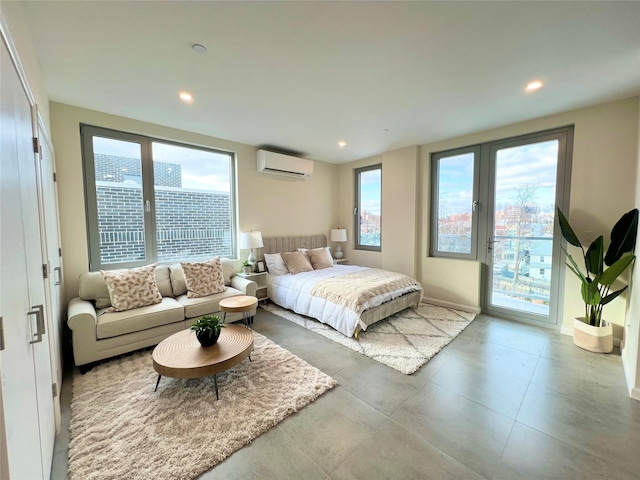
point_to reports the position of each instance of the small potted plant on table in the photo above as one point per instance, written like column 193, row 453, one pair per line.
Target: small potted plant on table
column 247, row 267
column 207, row 329
column 592, row 332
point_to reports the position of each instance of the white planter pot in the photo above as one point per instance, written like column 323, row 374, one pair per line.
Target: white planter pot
column 594, row 339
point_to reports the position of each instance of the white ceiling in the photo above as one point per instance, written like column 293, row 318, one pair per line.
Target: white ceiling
column 306, row 75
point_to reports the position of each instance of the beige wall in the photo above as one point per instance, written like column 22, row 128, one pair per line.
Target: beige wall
column 14, row 16
column 273, row 204
column 631, row 344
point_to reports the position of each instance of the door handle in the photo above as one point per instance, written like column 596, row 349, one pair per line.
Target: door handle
column 38, row 311
column 490, row 244
column 59, row 280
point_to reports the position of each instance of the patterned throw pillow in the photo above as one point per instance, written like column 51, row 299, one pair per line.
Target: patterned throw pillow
column 203, row 278
column 132, row 288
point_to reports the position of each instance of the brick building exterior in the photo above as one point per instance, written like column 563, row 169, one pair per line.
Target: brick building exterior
column 189, row 223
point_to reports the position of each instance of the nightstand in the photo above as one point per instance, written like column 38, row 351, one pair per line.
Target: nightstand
column 261, row 279
column 341, row 261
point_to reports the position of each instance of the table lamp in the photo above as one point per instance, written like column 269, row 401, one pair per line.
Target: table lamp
column 251, row 240
column 338, row 235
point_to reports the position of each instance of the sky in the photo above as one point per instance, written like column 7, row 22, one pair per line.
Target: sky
column 370, row 194
column 201, row 169
column 527, row 164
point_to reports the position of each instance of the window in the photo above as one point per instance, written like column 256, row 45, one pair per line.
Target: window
column 454, row 223
column 368, row 202
column 153, row 200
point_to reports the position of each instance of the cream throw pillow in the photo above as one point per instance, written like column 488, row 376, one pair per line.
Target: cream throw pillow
column 203, row 278
column 320, row 258
column 132, row 288
column 275, row 264
column 297, row 262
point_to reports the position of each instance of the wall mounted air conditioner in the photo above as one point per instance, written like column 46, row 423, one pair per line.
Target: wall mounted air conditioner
column 280, row 164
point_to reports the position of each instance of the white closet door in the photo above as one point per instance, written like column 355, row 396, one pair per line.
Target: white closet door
column 51, row 247
column 26, row 367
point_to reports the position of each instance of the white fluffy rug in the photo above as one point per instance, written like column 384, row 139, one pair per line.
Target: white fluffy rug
column 121, row 428
column 405, row 341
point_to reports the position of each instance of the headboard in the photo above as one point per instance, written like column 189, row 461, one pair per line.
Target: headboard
column 290, row 244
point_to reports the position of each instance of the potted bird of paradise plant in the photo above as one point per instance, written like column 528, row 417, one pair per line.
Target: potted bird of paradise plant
column 592, row 332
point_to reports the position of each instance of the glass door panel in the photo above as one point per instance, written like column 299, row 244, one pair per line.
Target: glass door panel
column 520, row 244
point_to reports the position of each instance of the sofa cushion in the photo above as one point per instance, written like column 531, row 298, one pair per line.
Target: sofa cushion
column 132, row 288
column 179, row 285
column 196, row 307
column 112, row 324
column 163, row 280
column 227, row 270
column 203, row 278
column 94, row 289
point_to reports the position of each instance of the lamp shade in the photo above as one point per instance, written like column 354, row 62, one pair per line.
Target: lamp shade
column 338, row 234
column 251, row 239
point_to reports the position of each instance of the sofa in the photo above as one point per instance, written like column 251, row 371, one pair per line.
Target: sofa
column 98, row 333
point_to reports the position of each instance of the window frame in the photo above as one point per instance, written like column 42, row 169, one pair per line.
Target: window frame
column 87, row 132
column 435, row 204
column 357, row 172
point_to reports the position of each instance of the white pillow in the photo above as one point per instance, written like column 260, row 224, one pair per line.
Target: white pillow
column 275, row 264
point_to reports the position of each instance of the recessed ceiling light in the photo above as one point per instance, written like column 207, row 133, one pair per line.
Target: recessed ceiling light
column 533, row 86
column 385, row 130
column 199, row 48
column 342, row 144
column 186, row 96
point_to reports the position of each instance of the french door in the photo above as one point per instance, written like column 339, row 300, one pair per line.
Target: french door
column 522, row 181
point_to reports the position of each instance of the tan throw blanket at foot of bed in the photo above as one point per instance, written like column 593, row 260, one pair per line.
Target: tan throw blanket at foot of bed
column 354, row 290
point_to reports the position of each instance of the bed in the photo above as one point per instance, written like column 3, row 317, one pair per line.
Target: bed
column 317, row 293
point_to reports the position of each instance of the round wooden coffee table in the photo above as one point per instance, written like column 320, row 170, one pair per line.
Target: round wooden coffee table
column 182, row 356
column 239, row 304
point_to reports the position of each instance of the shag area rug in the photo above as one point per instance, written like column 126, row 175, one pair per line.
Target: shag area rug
column 120, row 428
column 405, row 341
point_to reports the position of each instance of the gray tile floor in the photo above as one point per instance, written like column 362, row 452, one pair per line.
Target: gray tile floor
column 504, row 400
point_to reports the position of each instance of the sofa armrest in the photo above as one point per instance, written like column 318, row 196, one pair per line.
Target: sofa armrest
column 81, row 313
column 246, row 286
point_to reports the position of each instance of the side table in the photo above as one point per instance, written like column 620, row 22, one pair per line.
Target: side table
column 239, row 304
column 261, row 280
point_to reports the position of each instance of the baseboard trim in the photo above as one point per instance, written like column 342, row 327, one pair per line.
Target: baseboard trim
column 456, row 306
column 569, row 331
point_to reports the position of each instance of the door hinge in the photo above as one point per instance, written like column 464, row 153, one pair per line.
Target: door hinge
column 59, row 252
column 36, row 145
column 55, row 178
column 45, row 270
column 54, row 389
column 1, row 334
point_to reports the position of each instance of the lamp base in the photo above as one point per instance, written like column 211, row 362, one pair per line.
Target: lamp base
column 251, row 258
column 338, row 253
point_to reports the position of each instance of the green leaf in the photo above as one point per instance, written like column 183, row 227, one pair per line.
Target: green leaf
column 567, row 232
column 577, row 273
column 590, row 293
column 613, row 295
column 593, row 257
column 575, row 265
column 610, row 274
column 623, row 237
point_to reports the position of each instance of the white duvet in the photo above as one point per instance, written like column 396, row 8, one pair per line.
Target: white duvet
column 293, row 292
